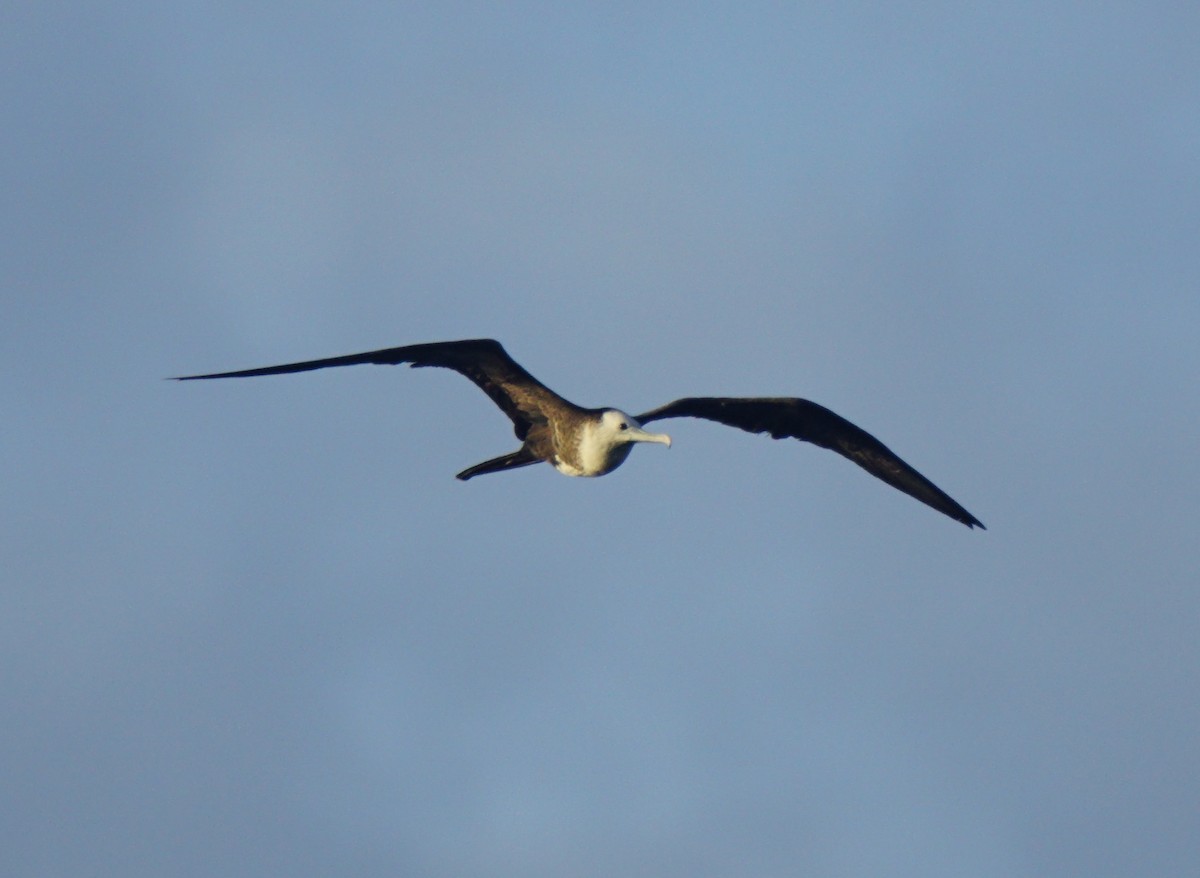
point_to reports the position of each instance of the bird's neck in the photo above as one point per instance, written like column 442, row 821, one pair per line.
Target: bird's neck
column 592, row 453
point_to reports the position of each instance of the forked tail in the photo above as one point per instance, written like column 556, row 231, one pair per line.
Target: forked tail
column 520, row 457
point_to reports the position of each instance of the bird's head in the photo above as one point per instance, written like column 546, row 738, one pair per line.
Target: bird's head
column 619, row 428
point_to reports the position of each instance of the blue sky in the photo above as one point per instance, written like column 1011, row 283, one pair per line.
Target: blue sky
column 257, row 628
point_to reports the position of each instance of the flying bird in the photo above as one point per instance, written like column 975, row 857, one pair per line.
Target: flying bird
column 580, row 441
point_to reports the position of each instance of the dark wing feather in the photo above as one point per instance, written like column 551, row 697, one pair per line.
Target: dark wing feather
column 519, row 395
column 800, row 419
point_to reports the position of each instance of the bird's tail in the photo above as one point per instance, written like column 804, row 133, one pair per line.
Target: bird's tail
column 520, row 457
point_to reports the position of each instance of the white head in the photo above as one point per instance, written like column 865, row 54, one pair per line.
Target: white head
column 618, row 428
column 603, row 445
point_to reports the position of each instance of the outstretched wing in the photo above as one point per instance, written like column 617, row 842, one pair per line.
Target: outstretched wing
column 519, row 395
column 786, row 417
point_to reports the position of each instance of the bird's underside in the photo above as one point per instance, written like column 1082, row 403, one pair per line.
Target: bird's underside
column 581, row 441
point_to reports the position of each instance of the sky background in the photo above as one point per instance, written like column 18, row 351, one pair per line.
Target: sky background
column 256, row 627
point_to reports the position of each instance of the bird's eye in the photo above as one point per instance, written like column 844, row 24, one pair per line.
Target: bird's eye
column 624, row 426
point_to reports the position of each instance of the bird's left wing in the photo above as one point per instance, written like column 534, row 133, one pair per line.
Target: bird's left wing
column 788, row 417
column 518, row 394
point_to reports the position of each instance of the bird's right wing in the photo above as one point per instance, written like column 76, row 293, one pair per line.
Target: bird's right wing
column 788, row 417
column 518, row 394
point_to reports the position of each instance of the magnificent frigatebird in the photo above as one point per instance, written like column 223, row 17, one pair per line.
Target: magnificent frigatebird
column 592, row 442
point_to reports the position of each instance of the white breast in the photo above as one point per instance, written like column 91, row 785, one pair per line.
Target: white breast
column 598, row 454
column 567, row 470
